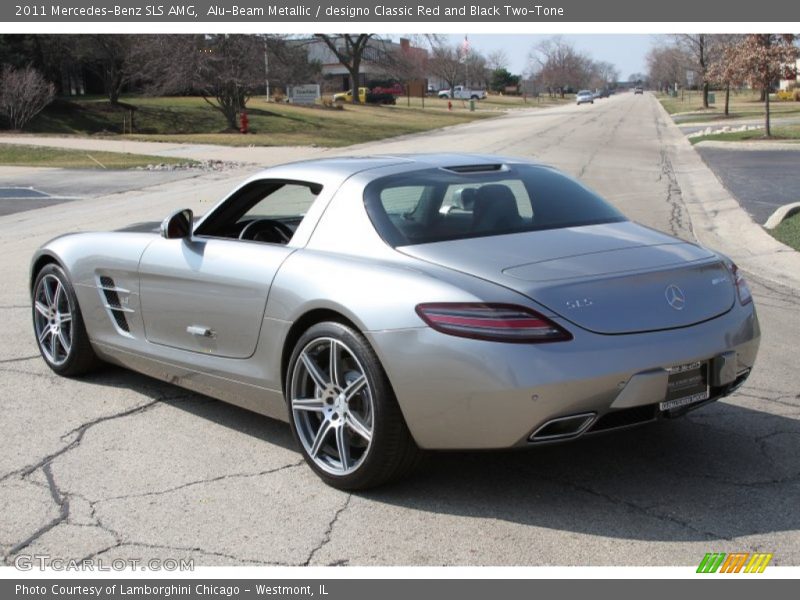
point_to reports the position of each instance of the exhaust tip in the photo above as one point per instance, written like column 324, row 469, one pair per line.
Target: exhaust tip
column 563, row 428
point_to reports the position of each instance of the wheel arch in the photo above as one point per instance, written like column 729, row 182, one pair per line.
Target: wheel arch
column 39, row 263
column 301, row 325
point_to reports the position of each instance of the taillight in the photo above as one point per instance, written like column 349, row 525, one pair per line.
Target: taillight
column 493, row 322
column 742, row 289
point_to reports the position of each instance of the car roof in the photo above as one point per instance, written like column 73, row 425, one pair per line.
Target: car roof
column 345, row 166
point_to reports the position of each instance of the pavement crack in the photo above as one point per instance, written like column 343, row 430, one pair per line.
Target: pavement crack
column 19, row 359
column 80, row 431
column 61, row 500
column 326, row 538
column 200, row 549
column 643, row 510
column 199, row 482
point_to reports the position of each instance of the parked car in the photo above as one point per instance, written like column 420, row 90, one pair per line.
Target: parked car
column 348, row 95
column 365, row 96
column 584, row 97
column 384, row 305
column 463, row 93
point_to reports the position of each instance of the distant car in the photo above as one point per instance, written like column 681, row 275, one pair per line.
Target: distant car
column 638, row 90
column 463, row 93
column 584, row 96
column 365, row 96
column 348, row 96
column 395, row 89
column 604, row 94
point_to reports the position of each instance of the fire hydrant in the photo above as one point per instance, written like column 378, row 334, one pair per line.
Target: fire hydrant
column 449, row 105
column 243, row 122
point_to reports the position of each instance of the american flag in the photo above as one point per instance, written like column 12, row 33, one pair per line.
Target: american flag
column 465, row 47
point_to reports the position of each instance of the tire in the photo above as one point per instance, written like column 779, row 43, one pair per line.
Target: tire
column 353, row 414
column 58, row 324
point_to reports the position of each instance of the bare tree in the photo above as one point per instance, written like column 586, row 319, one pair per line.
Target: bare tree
column 666, row 65
column 349, row 50
column 226, row 70
column 699, row 47
column 475, row 69
column 606, row 72
column 557, row 65
column 497, row 59
column 445, row 63
column 23, row 94
column 114, row 58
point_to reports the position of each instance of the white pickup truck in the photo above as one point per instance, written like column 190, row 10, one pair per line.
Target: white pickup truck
column 463, row 93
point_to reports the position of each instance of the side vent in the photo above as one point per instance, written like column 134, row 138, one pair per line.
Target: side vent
column 115, row 307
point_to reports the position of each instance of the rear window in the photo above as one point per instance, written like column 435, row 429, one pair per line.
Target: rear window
column 436, row 204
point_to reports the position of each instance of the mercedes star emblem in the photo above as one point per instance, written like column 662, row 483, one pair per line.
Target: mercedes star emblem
column 675, row 297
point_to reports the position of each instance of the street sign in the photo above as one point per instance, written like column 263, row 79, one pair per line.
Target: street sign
column 304, row 94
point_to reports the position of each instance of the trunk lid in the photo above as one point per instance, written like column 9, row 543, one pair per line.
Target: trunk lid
column 612, row 279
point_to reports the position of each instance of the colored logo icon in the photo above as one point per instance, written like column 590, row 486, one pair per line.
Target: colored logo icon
column 736, row 562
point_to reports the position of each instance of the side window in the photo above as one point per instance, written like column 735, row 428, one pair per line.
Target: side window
column 263, row 210
column 291, row 200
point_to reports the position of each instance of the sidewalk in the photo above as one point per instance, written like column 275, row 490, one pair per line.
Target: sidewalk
column 261, row 155
column 721, row 223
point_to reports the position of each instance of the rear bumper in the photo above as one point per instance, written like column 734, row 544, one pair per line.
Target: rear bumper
column 458, row 393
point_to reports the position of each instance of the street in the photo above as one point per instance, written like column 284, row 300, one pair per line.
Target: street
column 118, row 465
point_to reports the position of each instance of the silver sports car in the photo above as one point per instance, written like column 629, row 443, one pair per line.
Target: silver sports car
column 391, row 304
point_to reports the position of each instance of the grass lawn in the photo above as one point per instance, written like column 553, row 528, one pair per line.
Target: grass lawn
column 191, row 119
column 38, row 156
column 788, row 232
column 789, row 133
column 688, row 107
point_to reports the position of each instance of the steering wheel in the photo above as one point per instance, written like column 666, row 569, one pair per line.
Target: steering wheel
column 266, row 230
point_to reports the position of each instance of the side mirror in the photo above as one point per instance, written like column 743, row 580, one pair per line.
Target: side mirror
column 178, row 225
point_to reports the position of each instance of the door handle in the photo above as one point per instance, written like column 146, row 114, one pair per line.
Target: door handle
column 200, row 331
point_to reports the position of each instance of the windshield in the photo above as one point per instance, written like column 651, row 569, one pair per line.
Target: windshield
column 434, row 205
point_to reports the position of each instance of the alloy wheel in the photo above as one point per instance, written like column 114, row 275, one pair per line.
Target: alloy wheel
column 332, row 406
column 53, row 318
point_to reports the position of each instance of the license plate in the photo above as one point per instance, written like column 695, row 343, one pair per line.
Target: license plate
column 686, row 384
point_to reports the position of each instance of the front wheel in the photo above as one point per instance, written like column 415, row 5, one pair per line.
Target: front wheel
column 58, row 324
column 343, row 412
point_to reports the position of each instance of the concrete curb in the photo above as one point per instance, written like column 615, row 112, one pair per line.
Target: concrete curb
column 720, row 222
column 750, row 146
column 781, row 214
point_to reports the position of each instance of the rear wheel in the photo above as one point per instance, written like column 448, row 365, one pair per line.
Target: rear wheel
column 343, row 412
column 58, row 324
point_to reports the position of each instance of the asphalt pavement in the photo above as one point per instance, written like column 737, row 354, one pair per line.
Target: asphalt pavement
column 23, row 188
column 762, row 180
column 117, row 465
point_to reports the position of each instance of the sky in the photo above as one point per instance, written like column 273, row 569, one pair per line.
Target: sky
column 625, row 51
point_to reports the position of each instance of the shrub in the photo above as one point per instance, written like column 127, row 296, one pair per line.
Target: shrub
column 23, row 95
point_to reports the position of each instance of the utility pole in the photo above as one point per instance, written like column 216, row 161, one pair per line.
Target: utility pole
column 266, row 67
